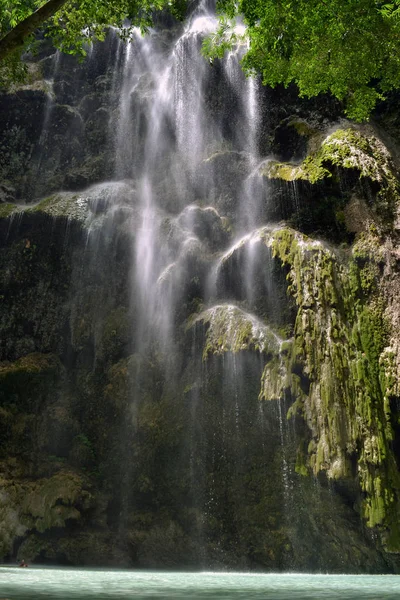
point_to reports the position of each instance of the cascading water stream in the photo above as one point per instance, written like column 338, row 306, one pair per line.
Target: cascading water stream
column 167, row 186
column 190, row 71
column 178, row 137
column 158, row 324
column 168, row 91
column 48, row 109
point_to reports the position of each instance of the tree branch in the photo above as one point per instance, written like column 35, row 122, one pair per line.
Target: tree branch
column 15, row 38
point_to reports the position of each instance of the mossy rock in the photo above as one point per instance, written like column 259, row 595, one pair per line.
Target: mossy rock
column 206, row 223
column 348, row 148
column 338, row 365
column 63, row 204
column 39, row 506
column 6, row 209
column 93, row 169
column 87, row 207
column 66, row 204
column 223, row 173
column 355, row 150
column 93, row 548
column 52, row 502
column 230, row 329
column 165, row 546
column 290, row 139
column 89, row 548
column 116, row 334
column 64, row 118
column 119, row 383
column 11, row 525
column 269, row 298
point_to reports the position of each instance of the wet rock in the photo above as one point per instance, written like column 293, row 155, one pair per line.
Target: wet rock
column 223, row 172
column 7, row 194
column 290, row 141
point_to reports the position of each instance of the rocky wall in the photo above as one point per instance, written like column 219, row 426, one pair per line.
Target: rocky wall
column 266, row 435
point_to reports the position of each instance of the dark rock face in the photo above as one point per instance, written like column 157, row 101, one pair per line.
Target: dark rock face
column 56, row 132
column 177, row 452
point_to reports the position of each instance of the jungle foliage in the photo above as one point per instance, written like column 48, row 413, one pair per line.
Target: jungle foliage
column 349, row 48
column 70, row 25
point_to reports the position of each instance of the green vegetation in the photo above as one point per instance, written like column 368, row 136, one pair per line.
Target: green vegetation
column 348, row 148
column 50, row 502
column 229, row 329
column 341, row 374
column 69, row 25
column 350, row 48
column 337, row 369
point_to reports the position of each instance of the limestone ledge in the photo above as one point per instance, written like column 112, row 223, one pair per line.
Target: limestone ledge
column 88, row 207
column 66, row 205
column 230, row 329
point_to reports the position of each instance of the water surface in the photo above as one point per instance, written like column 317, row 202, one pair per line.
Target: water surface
column 71, row 584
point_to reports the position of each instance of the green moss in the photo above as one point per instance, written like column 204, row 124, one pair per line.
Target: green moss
column 230, row 329
column 287, row 172
column 51, row 502
column 6, row 210
column 116, row 333
column 301, row 466
column 24, row 378
column 286, row 347
column 274, row 380
column 349, row 149
column 302, row 127
column 29, row 364
column 340, row 349
column 65, row 204
column 62, row 205
column 119, row 377
column 40, row 505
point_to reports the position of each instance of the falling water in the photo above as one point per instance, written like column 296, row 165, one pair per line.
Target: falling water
column 43, row 141
column 164, row 139
column 185, row 194
column 285, row 464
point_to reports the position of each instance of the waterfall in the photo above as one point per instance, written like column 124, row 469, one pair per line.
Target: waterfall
column 159, row 316
column 163, row 141
column 179, row 121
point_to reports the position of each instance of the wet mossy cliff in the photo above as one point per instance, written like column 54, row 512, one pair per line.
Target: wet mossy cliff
column 263, row 432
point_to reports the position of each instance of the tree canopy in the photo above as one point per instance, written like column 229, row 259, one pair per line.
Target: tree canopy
column 350, row 48
column 71, row 25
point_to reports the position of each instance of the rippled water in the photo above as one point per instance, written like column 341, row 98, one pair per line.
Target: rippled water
column 71, row 584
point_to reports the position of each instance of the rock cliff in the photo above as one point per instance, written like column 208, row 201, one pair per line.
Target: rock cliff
column 260, row 428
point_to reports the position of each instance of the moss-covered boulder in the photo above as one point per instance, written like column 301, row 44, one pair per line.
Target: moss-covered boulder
column 339, row 366
column 248, row 274
column 230, row 329
column 51, row 502
column 43, row 505
column 334, row 158
column 349, row 148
